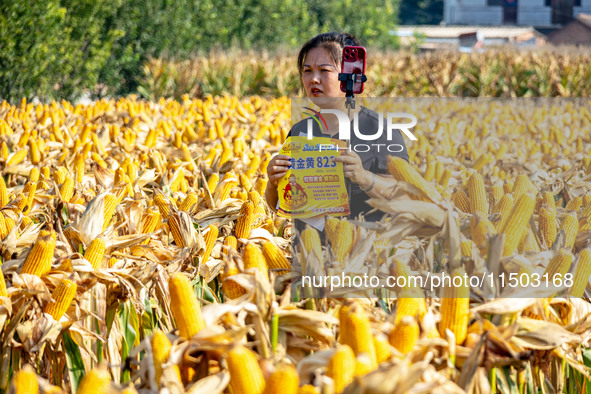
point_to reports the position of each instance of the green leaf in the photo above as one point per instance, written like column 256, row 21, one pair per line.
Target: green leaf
column 73, row 360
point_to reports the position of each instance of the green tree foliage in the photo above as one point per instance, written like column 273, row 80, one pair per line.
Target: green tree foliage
column 63, row 48
column 421, row 12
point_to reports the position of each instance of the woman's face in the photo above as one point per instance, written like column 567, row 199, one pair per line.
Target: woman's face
column 320, row 76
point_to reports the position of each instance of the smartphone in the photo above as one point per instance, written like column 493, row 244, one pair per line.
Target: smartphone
column 353, row 63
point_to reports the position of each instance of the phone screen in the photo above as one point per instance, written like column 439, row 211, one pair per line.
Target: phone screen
column 353, row 63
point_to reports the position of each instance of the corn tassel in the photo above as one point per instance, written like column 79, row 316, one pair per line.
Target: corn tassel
column 38, row 261
column 63, row 296
column 341, row 368
column 246, row 376
column 185, row 306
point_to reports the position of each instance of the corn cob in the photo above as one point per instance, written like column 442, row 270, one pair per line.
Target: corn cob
column 330, row 229
column 38, row 261
column 34, row 175
column 405, row 334
column 232, row 290
column 382, row 346
column 185, row 306
column 559, row 265
column 478, row 202
column 29, row 192
column 308, row 389
column 401, row 170
column 60, row 174
column 244, row 222
column 110, row 206
column 503, row 208
column 210, row 237
column 547, row 226
column 212, row 182
column 341, row 368
column 344, row 242
column 311, row 242
column 3, row 193
column 508, row 187
column 162, row 203
column 522, row 185
column 230, row 242
column 254, row 197
column 455, row 303
column 461, row 201
column 261, row 186
column 96, row 381
column 284, row 380
column 190, row 200
column 246, row 376
column 357, row 332
column 95, row 253
column 25, row 381
column 575, row 204
column 466, row 248
column 160, row 353
column 253, row 258
column 67, row 189
column 516, row 225
column 363, row 365
column 275, row 257
column 410, row 306
column 245, row 182
column 174, row 223
column 17, row 157
column 581, row 275
column 481, row 229
column 63, row 295
column 528, row 242
column 150, row 221
column 570, row 226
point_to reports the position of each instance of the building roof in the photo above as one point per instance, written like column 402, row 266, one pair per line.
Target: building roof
column 584, row 19
column 507, row 32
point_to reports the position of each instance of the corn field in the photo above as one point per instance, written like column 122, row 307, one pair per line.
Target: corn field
column 503, row 72
column 138, row 255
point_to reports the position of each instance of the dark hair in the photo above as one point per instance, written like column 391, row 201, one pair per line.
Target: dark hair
column 333, row 42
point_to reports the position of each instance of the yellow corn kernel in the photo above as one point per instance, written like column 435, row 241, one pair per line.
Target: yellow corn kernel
column 63, row 295
column 244, row 223
column 34, row 152
column 461, row 201
column 232, row 290
column 246, row 376
column 162, row 203
column 3, row 192
column 344, row 244
column 522, row 185
column 478, row 202
column 481, row 229
column 95, row 252
column 190, row 200
column 581, row 275
column 160, row 353
column 96, row 381
column 401, row 170
column 110, row 205
column 253, row 258
column 285, row 380
column 503, row 209
column 230, row 243
column 528, row 242
column 25, row 381
column 150, row 221
column 210, row 237
column 559, row 265
column 29, row 191
column 275, row 257
column 516, row 225
column 185, row 306
column 16, row 157
column 356, row 331
column 308, row 389
column 382, row 346
column 405, row 334
column 38, row 261
column 341, row 368
column 455, row 304
column 311, row 242
column 60, row 174
column 67, row 189
column 570, row 226
column 261, row 186
column 575, row 204
column 547, row 226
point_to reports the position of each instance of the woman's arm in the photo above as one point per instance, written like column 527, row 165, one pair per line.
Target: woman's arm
column 276, row 169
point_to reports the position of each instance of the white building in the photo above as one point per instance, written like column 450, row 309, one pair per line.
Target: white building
column 540, row 13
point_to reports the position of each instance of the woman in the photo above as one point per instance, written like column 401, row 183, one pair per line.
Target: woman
column 319, row 63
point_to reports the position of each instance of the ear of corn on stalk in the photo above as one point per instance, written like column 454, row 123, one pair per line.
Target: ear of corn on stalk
column 185, row 306
column 63, row 295
column 246, row 376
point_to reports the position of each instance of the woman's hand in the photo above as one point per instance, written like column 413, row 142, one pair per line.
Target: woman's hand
column 353, row 169
column 277, row 168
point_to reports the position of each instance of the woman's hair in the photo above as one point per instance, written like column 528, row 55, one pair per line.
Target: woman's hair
column 333, row 42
